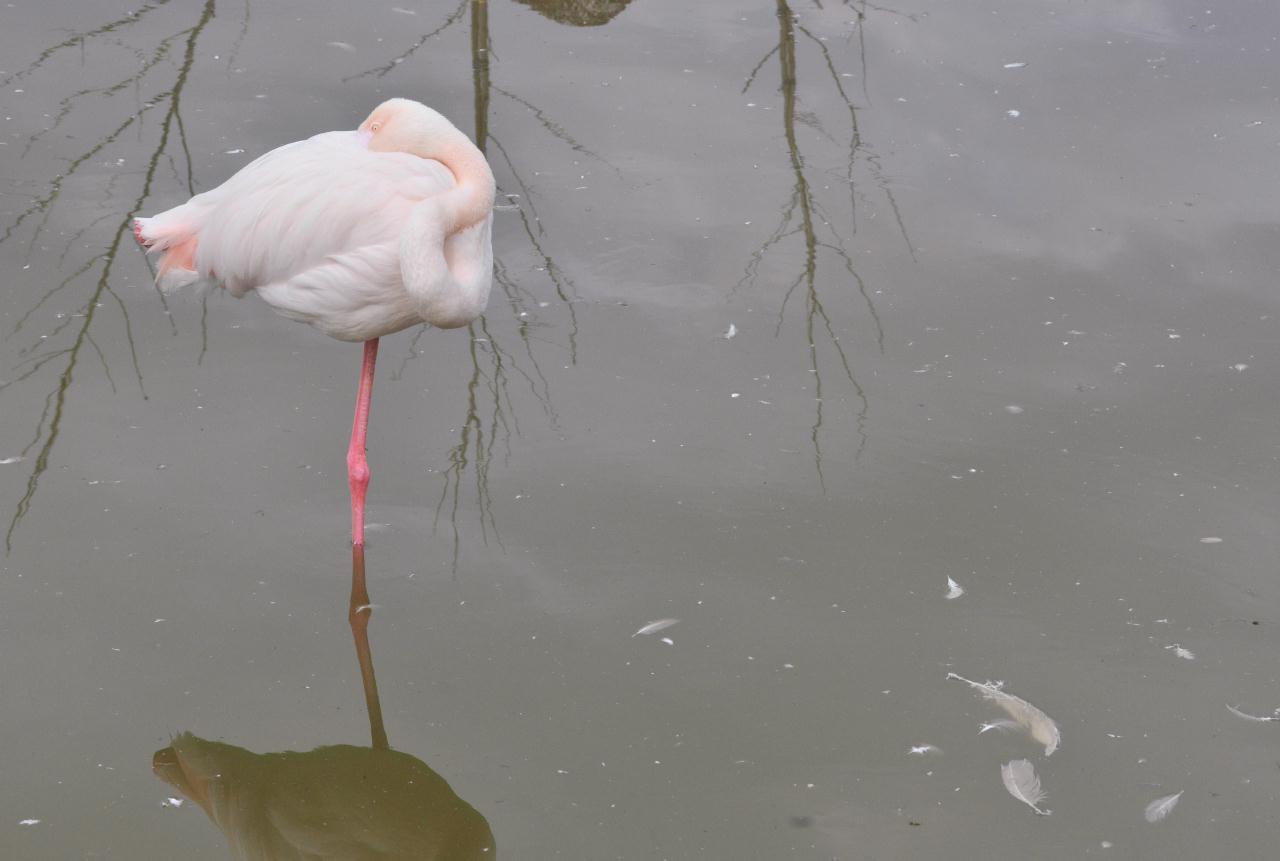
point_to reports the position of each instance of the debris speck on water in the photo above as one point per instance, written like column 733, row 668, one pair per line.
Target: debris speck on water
column 733, row 330
column 345, row 46
column 1016, row 65
column 1185, row 654
column 954, row 589
column 171, row 802
column 28, row 821
column 1013, row 112
column 1212, row 539
column 7, row 460
column 1240, row 367
column 655, row 626
column 1014, row 410
column 668, row 641
column 233, row 152
column 922, row 749
column 1000, row 725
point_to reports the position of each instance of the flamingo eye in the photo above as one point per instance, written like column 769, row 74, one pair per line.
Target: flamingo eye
column 373, row 127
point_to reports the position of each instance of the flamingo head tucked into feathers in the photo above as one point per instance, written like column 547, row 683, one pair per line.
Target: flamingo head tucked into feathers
column 403, row 125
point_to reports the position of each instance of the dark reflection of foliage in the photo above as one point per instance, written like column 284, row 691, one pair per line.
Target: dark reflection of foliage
column 79, row 325
column 578, row 13
column 805, row 216
column 496, row 360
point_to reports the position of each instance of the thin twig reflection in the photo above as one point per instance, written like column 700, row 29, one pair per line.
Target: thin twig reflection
column 49, row 424
column 805, row 216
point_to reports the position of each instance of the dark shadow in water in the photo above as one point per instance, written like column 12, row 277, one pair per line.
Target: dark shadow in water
column 806, row 217
column 336, row 802
column 78, row 325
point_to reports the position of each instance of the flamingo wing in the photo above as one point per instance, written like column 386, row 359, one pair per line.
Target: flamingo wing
column 305, row 224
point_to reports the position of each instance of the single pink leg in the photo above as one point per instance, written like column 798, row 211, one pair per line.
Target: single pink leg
column 357, row 464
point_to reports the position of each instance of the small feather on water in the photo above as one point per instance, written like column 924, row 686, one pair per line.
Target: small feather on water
column 922, row 749
column 1259, row 718
column 655, row 626
column 1162, row 807
column 1038, row 725
column 1020, row 779
column 733, row 330
column 954, row 589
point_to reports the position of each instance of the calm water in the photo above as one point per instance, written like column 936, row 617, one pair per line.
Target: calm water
column 801, row 308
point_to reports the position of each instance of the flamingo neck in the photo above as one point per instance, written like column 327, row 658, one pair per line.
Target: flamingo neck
column 472, row 200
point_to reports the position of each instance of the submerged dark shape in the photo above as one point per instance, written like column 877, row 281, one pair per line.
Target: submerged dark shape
column 338, row 803
column 578, row 13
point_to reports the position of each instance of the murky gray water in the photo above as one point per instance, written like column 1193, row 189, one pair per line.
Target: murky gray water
column 1001, row 280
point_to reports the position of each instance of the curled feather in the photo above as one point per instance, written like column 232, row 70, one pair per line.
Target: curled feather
column 1020, row 779
column 1037, row 724
column 1162, row 807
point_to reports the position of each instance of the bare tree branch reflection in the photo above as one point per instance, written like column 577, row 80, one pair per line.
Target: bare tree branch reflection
column 56, row 402
column 381, row 71
column 79, row 40
column 490, row 418
column 805, row 216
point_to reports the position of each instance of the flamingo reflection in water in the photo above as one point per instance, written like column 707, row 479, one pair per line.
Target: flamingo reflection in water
column 335, row 803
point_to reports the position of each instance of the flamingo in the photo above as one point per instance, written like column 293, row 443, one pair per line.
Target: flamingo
column 358, row 233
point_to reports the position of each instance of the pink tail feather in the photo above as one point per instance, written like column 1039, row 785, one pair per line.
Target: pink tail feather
column 176, row 244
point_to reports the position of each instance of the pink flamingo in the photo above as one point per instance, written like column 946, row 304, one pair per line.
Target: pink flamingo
column 359, row 233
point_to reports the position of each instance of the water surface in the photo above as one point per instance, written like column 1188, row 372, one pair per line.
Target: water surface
column 1000, row 280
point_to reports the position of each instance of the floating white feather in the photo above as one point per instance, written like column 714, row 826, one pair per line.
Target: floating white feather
column 1162, row 807
column 1259, row 718
column 1038, row 725
column 1020, row 779
column 655, row 626
column 954, row 589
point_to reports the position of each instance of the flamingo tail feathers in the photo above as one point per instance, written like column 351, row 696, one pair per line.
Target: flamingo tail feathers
column 176, row 244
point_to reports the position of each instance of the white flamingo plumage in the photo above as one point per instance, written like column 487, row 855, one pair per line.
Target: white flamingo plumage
column 358, row 233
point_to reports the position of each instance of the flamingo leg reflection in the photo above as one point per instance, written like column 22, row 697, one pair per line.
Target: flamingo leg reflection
column 358, row 615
